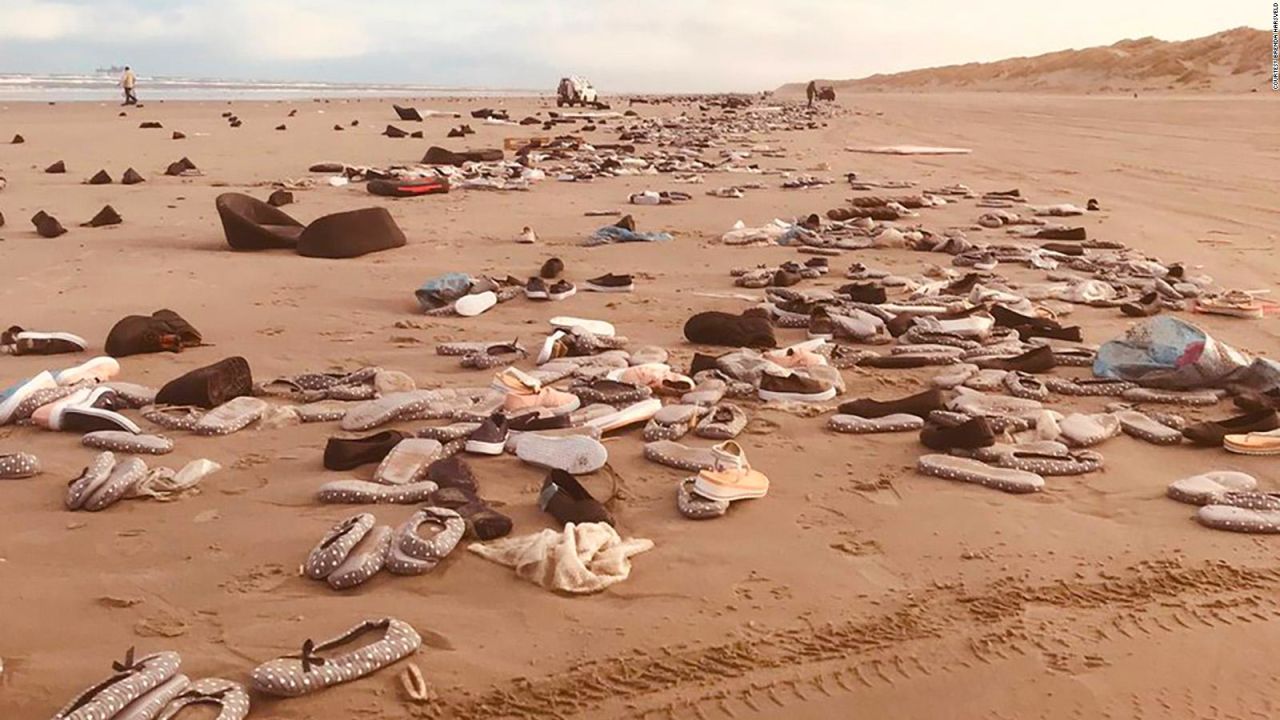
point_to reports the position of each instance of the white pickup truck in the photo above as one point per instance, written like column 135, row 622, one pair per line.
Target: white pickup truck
column 574, row 90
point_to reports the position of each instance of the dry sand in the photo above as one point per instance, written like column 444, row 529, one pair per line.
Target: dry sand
column 855, row 587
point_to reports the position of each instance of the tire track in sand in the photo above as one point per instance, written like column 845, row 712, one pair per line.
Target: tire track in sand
column 937, row 630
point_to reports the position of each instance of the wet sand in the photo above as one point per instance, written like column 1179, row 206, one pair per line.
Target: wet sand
column 856, row 586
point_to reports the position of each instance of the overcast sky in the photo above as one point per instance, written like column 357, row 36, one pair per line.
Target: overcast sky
column 622, row 45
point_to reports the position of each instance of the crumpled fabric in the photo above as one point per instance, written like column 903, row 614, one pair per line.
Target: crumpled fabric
column 1166, row 352
column 582, row 559
column 443, row 290
column 613, row 234
column 166, row 485
column 778, row 232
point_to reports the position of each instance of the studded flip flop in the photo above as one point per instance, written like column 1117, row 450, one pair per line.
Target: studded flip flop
column 696, row 507
column 724, row 422
column 1208, row 488
column 1146, row 429
column 681, row 457
column 407, row 462
column 1239, row 519
column 231, row 416
column 124, row 475
column 445, row 529
column 174, row 417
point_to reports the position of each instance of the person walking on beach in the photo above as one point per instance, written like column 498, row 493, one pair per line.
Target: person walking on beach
column 812, row 91
column 127, row 81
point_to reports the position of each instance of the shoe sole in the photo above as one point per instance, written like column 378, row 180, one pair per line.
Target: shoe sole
column 473, row 305
column 595, row 327
column 772, row 395
column 606, row 289
column 548, row 347
column 536, row 295
column 562, row 296
column 480, row 447
column 1252, row 453
column 576, row 455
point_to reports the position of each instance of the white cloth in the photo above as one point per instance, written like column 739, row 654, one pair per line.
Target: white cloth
column 582, row 559
column 164, row 484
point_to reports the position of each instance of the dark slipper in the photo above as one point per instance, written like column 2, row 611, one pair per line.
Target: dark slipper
column 483, row 522
column 564, row 498
column 209, row 386
column 350, row 453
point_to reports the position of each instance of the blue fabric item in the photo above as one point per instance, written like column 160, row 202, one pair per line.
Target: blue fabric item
column 442, row 290
column 1167, row 352
column 614, row 234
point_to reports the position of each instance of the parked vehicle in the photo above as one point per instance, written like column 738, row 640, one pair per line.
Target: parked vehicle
column 574, row 90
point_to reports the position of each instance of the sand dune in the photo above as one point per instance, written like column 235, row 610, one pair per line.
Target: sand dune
column 1234, row 60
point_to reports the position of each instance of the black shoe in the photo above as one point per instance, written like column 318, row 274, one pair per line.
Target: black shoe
column 490, row 438
column 551, row 269
column 351, row 453
column 532, row 422
column 970, row 435
column 564, row 498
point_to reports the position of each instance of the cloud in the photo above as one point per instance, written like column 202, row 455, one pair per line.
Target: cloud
column 36, row 20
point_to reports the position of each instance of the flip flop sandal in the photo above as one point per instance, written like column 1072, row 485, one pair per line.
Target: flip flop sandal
column 18, row 465
column 448, row 528
column 174, row 417
column 1208, row 488
column 230, row 697
column 1088, row 387
column 123, row 477
column 1025, row 385
column 1185, row 399
column 681, row 457
column 595, row 327
column 150, row 704
column 977, row 404
column 365, row 560
column 671, row 422
column 232, row 416
column 336, row 545
column 322, row 411
column 308, row 671
column 954, row 376
column 843, row 357
column 855, row 425
column 1142, row 427
column 133, row 395
column 449, row 433
column 363, row 492
column 574, row 454
column 130, row 681
column 582, row 342
column 724, row 422
column 973, row 471
column 39, row 399
column 610, row 392
column 1086, row 430
column 1238, row 519
column 408, row 461
column 372, row 413
column 124, row 442
column 696, row 507
column 1080, row 462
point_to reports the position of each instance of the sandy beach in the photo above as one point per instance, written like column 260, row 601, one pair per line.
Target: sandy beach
column 856, row 587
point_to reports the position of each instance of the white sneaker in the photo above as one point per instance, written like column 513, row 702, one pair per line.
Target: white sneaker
column 12, row 397
column 527, row 236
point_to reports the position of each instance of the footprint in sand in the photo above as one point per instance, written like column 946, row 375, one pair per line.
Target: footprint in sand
column 260, row 579
column 164, row 624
